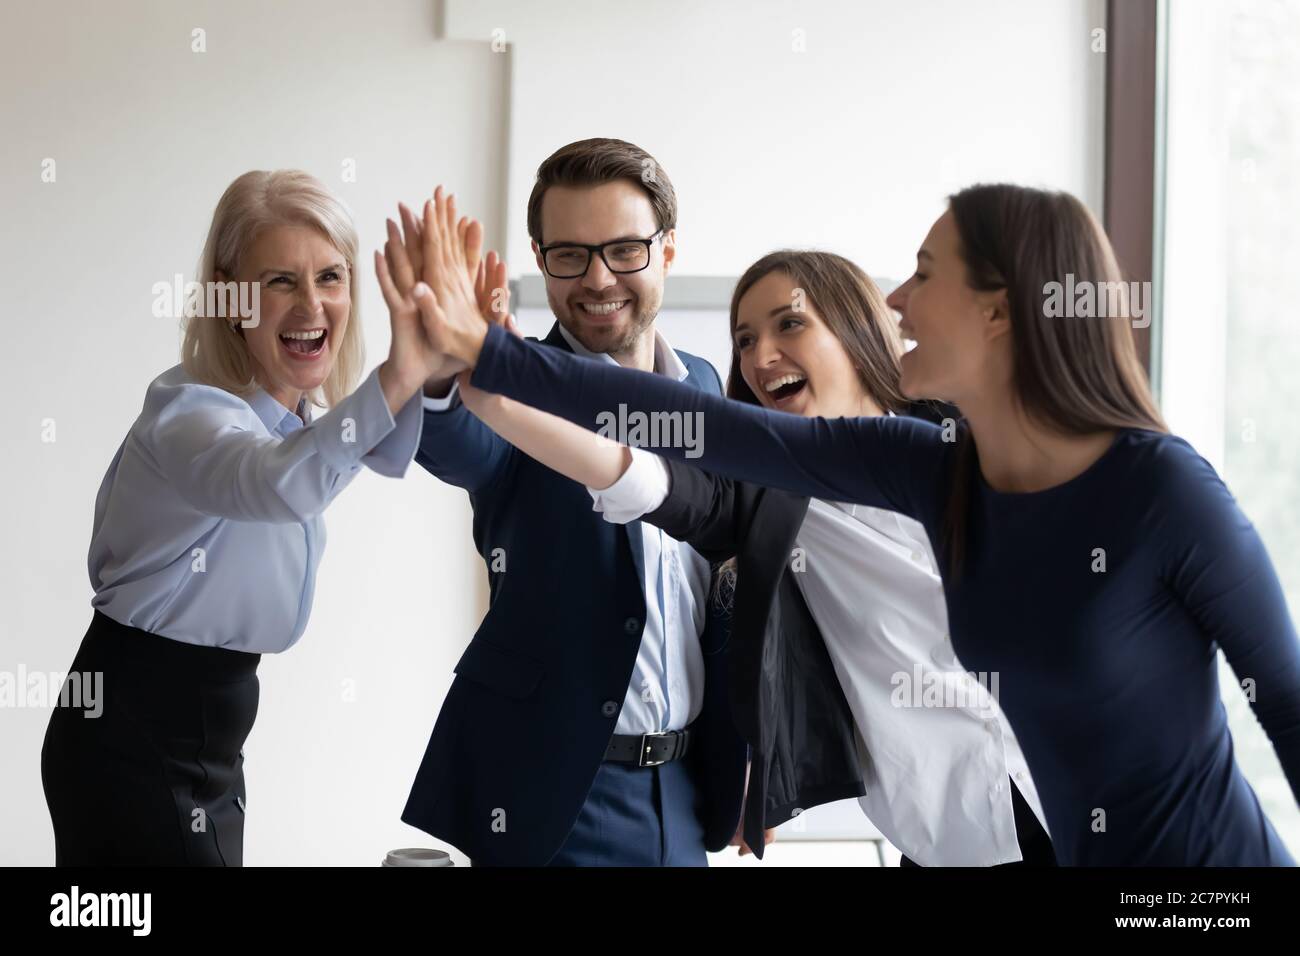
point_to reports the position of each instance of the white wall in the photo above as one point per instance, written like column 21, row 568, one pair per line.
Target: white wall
column 146, row 134
column 851, row 146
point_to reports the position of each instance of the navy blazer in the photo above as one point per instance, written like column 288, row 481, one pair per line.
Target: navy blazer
column 538, row 691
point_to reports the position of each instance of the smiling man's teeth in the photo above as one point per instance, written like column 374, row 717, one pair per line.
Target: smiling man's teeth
column 311, row 334
column 603, row 308
column 776, row 383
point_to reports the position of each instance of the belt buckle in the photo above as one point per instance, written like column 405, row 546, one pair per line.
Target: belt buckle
column 640, row 757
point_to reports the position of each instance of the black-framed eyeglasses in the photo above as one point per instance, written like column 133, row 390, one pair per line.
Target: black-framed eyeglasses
column 571, row 260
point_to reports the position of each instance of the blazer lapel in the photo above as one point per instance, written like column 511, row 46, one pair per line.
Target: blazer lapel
column 554, row 338
column 632, row 529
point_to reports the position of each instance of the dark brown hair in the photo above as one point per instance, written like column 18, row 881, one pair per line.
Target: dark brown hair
column 594, row 162
column 1079, row 375
column 854, row 309
column 851, row 305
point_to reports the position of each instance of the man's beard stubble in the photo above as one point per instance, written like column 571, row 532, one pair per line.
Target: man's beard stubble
column 607, row 344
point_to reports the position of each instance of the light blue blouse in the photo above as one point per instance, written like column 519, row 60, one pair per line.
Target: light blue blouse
column 208, row 525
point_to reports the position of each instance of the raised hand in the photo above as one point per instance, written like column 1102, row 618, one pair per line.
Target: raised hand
column 492, row 291
column 404, row 255
column 470, row 231
column 448, row 250
column 412, row 358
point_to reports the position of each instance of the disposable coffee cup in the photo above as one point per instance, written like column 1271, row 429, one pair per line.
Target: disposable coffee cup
column 417, row 856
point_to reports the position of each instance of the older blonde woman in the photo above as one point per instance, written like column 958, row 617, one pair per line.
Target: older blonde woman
column 208, row 528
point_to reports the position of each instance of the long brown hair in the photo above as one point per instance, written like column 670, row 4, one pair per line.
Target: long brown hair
column 853, row 308
column 1079, row 375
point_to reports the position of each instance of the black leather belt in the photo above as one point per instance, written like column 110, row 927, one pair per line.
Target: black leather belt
column 650, row 750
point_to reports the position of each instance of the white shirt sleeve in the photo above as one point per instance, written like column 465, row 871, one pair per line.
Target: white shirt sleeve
column 640, row 490
column 446, row 402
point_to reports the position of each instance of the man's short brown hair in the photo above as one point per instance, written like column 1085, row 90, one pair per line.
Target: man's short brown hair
column 594, row 162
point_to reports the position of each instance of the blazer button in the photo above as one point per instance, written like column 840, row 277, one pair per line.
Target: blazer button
column 631, row 625
column 239, row 802
column 609, row 708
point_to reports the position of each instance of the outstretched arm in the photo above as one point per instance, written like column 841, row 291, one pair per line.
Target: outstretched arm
column 562, row 446
column 892, row 463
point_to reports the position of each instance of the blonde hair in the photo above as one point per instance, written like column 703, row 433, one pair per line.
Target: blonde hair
column 212, row 351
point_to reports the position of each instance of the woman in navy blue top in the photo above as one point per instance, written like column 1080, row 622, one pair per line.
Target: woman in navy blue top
column 1092, row 560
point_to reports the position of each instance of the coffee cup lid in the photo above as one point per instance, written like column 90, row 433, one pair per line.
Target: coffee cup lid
column 417, row 856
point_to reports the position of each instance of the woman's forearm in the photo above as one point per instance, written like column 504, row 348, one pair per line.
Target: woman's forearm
column 397, row 392
column 574, row 452
column 894, row 463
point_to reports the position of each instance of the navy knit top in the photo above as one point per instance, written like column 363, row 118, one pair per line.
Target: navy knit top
column 1101, row 603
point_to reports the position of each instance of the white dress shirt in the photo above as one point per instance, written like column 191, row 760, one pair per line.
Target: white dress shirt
column 936, row 751
column 208, row 525
column 666, row 691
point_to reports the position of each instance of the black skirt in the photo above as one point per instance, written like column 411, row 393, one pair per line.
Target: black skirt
column 156, row 779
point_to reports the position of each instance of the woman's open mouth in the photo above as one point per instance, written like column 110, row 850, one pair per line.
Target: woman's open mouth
column 304, row 344
column 782, row 390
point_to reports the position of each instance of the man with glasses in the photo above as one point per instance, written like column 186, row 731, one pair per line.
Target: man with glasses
column 588, row 722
